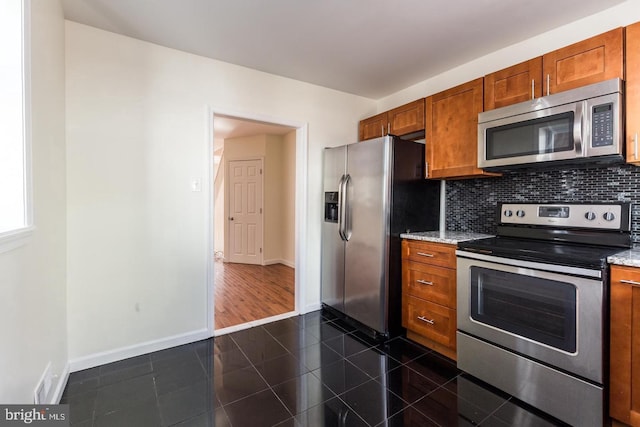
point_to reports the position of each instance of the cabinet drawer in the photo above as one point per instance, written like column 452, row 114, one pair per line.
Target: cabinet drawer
column 439, row 254
column 628, row 275
column 431, row 320
column 435, row 284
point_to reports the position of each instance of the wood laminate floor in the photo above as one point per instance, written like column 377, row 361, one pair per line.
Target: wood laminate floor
column 245, row 292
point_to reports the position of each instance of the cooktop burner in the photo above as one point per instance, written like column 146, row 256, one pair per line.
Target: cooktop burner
column 571, row 234
column 569, row 254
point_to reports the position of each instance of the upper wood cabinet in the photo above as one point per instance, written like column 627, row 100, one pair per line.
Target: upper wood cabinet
column 515, row 84
column 408, row 118
column 403, row 120
column 590, row 61
column 452, row 132
column 624, row 350
column 373, row 127
column 632, row 73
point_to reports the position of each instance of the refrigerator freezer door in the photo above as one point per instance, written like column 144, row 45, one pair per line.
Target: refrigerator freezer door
column 332, row 279
column 367, row 225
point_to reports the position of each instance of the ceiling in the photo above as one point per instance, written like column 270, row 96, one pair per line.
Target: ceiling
column 371, row 48
column 231, row 127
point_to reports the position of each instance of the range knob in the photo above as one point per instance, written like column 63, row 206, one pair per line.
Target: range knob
column 508, row 213
column 609, row 216
column 520, row 213
column 590, row 215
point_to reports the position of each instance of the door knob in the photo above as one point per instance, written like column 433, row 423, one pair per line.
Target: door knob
column 230, row 218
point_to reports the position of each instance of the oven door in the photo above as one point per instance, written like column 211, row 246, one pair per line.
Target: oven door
column 554, row 318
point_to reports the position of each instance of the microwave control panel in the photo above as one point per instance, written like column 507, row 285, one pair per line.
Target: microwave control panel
column 602, row 125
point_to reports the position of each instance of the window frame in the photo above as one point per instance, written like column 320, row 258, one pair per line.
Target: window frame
column 12, row 239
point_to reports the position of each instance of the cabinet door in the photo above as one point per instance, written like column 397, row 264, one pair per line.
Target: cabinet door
column 432, row 321
column 373, row 127
column 435, row 284
column 624, row 382
column 452, row 131
column 518, row 83
column 407, row 119
column 633, row 92
column 590, row 61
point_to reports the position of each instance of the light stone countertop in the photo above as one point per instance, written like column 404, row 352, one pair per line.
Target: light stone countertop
column 450, row 237
column 630, row 258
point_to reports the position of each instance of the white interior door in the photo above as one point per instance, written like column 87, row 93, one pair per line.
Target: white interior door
column 245, row 211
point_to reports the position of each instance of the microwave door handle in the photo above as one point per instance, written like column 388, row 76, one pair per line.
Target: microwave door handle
column 579, row 131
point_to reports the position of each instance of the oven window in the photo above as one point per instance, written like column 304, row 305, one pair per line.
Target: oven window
column 550, row 134
column 539, row 309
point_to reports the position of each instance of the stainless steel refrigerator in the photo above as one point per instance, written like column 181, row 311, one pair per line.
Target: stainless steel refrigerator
column 373, row 191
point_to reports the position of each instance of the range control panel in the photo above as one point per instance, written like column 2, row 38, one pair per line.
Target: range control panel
column 605, row 216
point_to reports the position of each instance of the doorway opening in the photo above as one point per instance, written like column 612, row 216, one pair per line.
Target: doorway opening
column 255, row 194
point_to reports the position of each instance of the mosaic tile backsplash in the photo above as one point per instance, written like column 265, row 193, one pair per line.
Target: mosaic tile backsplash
column 471, row 205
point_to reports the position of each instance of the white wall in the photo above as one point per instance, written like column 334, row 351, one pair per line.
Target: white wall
column 32, row 277
column 618, row 16
column 135, row 138
column 272, row 198
column 279, row 192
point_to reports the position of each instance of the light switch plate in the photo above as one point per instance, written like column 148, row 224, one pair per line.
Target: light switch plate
column 196, row 184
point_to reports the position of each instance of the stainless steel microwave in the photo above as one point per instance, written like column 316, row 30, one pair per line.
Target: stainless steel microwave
column 576, row 126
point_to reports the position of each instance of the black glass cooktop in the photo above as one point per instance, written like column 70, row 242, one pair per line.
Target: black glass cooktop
column 569, row 254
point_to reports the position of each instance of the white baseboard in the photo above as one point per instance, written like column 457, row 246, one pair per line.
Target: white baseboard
column 279, row 261
column 62, row 384
column 312, row 307
column 97, row 359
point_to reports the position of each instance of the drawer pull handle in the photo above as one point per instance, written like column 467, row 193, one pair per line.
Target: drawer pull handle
column 424, row 282
column 424, row 254
column 424, row 319
column 630, row 282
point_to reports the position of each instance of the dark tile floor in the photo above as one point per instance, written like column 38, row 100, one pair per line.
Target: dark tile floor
column 311, row 370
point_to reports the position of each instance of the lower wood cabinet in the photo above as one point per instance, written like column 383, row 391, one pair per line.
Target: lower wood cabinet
column 624, row 371
column 429, row 295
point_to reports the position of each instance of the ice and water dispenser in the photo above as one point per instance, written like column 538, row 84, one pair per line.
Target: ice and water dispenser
column 331, row 206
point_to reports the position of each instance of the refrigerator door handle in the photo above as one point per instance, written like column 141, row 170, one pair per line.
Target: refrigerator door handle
column 344, row 209
column 341, row 194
